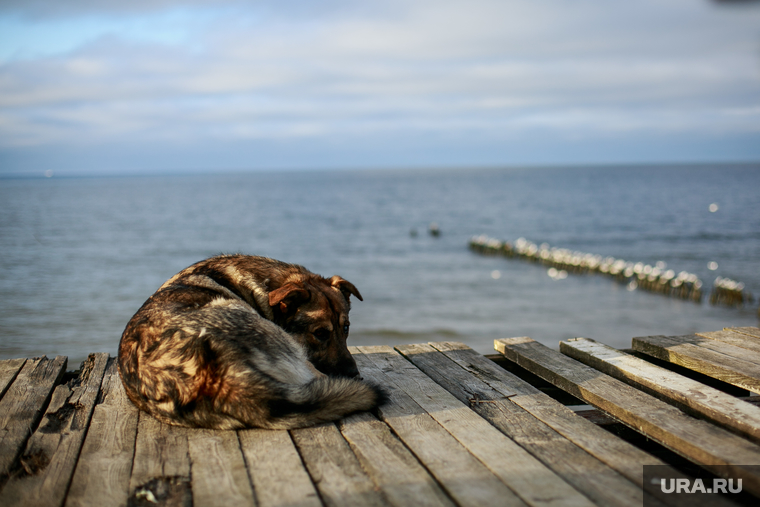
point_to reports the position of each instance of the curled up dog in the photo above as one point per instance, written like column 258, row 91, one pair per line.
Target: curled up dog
column 241, row 341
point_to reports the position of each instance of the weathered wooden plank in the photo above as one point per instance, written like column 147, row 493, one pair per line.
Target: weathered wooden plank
column 749, row 331
column 700, row 354
column 218, row 469
column 526, row 476
column 698, row 440
column 23, row 405
column 685, row 393
column 465, row 479
column 105, row 462
column 390, row 465
column 161, row 466
column 734, row 338
column 278, row 476
column 600, row 418
column 585, row 473
column 721, row 347
column 50, row 457
column 335, row 469
column 623, row 457
column 9, row 368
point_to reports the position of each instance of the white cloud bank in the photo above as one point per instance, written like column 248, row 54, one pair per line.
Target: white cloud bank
column 172, row 85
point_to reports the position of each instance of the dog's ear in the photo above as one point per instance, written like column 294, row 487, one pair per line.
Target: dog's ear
column 288, row 297
column 345, row 287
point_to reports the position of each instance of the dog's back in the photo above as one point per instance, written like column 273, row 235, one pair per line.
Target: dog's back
column 211, row 348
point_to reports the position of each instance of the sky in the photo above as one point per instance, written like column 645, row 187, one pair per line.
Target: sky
column 155, row 86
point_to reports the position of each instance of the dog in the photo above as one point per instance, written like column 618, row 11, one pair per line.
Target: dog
column 238, row 341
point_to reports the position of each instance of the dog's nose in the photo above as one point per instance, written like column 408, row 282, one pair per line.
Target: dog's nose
column 351, row 371
column 347, row 367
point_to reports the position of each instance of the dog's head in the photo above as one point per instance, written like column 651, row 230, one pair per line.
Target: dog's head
column 314, row 310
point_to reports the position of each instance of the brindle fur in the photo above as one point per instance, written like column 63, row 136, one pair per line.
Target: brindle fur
column 240, row 341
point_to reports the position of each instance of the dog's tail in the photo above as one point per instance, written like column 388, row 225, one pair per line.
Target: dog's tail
column 323, row 399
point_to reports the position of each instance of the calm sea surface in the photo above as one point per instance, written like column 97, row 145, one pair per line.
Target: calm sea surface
column 79, row 256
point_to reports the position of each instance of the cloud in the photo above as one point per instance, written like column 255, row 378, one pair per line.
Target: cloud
column 295, row 71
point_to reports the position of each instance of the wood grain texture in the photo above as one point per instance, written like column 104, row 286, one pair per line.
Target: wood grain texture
column 105, row 462
column 734, row 338
column 50, row 457
column 335, row 469
column 390, row 465
column 161, row 466
column 721, row 347
column 278, row 476
column 459, row 430
column 462, row 476
column 695, row 439
column 9, row 368
column 218, row 469
column 687, row 394
column 618, row 454
column 749, row 331
column 582, row 471
column 23, row 405
column 721, row 361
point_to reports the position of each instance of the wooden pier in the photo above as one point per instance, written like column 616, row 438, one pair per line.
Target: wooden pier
column 530, row 426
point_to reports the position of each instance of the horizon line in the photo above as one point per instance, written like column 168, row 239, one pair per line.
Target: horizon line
column 51, row 174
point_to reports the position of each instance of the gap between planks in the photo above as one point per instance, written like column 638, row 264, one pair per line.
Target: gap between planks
column 687, row 394
column 526, row 476
column 594, row 479
column 614, row 452
column 695, row 439
column 47, row 464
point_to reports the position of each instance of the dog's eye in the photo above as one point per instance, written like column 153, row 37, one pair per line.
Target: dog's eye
column 345, row 330
column 322, row 334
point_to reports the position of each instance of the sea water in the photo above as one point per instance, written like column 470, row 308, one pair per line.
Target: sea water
column 78, row 256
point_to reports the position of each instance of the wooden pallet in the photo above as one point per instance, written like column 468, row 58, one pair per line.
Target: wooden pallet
column 459, row 430
column 707, row 426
